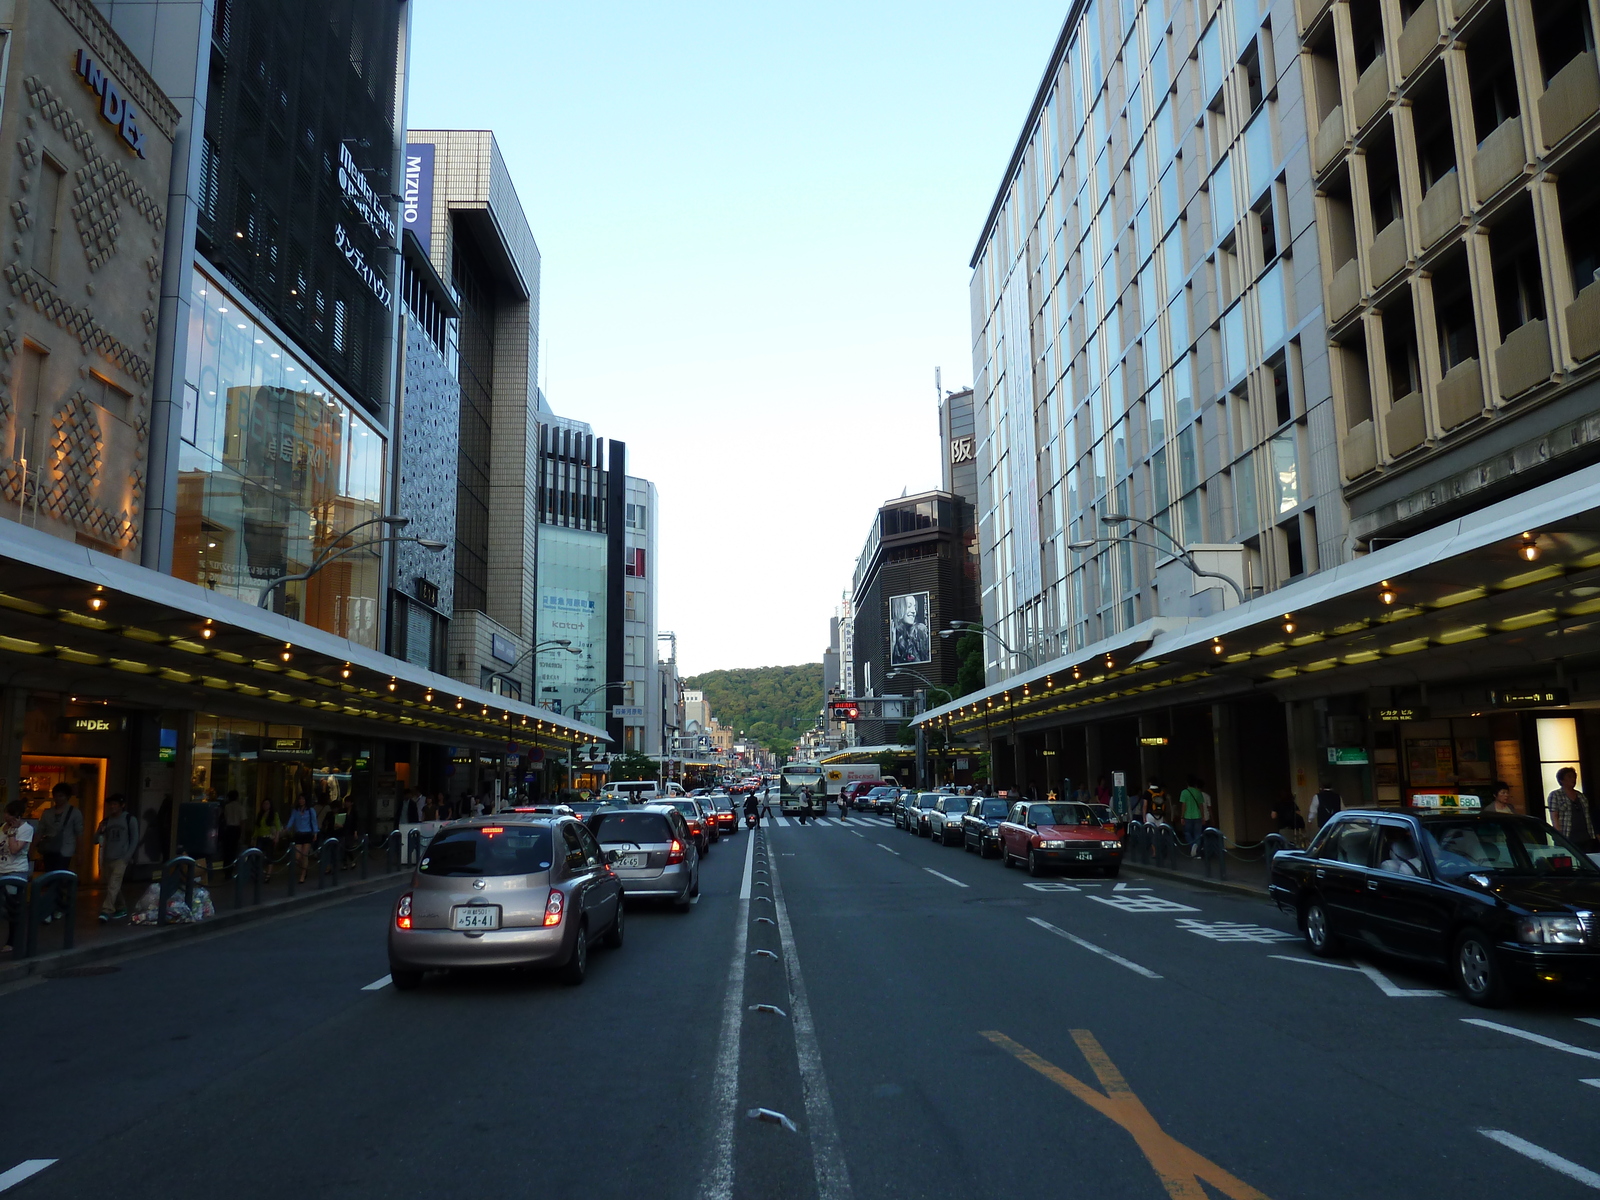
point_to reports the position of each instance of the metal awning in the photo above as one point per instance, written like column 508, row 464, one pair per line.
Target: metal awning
column 157, row 641
column 857, row 753
column 1463, row 603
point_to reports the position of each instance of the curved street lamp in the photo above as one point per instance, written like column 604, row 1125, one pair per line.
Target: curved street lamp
column 957, row 627
column 332, row 553
column 1179, row 552
column 537, row 647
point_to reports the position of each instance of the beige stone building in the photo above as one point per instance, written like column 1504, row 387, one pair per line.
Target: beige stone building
column 88, row 137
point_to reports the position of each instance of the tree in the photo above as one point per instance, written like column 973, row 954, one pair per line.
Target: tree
column 743, row 698
column 969, row 675
column 632, row 765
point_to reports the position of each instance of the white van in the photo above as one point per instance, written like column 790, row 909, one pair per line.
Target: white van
column 635, row 791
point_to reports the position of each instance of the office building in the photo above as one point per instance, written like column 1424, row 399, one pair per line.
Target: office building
column 1308, row 289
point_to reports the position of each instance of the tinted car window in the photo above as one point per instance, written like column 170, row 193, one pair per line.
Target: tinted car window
column 1503, row 848
column 576, row 858
column 637, row 827
column 1060, row 814
column 489, row 850
column 993, row 808
column 1349, row 843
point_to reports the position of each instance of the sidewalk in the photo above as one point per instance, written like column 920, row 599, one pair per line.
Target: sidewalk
column 95, row 941
column 1247, row 873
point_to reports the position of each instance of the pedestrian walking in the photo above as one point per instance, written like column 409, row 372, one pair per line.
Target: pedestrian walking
column 60, row 828
column 232, row 833
column 266, row 831
column 1286, row 817
column 16, row 840
column 118, row 836
column 805, row 804
column 844, row 806
column 1324, row 804
column 302, row 827
column 1568, row 810
column 1192, row 800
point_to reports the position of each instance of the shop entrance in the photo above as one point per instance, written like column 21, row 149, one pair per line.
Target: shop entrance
column 87, row 779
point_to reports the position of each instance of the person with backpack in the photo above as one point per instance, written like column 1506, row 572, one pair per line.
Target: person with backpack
column 60, row 827
column 1323, row 805
column 118, row 836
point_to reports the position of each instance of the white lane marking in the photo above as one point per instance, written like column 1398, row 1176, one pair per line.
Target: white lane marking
column 749, row 865
column 881, row 846
column 1536, row 1038
column 1540, row 1155
column 23, row 1170
column 1051, row 886
column 1142, row 904
column 1388, row 988
column 1594, row 1083
column 944, row 877
column 827, row 1156
column 377, row 985
column 1100, row 950
column 1312, row 962
column 718, row 1182
column 1122, row 887
column 784, row 821
column 858, row 833
column 1236, row 931
column 694, row 899
column 822, row 820
column 1595, row 1021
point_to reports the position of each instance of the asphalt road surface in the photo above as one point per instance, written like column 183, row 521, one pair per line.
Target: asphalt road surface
column 848, row 1012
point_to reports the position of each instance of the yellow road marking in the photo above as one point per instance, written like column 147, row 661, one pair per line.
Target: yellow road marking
column 1179, row 1168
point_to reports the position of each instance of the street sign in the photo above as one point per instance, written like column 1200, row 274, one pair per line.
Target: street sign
column 1152, row 741
column 1347, row 756
column 1548, row 698
column 1392, row 715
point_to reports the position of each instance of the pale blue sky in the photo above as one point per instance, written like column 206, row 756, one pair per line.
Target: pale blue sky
column 755, row 223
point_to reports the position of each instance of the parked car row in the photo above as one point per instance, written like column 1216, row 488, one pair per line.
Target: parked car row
column 536, row 887
column 1041, row 835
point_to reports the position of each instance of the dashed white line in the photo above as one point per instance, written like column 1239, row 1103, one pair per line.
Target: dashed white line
column 1547, row 1157
column 784, row 821
column 1594, row 1083
column 945, row 877
column 718, row 1183
column 1100, row 950
column 1390, row 989
column 1311, row 962
column 377, row 985
column 859, row 834
column 749, row 865
column 1536, row 1038
column 23, row 1170
column 881, row 846
column 1595, row 1021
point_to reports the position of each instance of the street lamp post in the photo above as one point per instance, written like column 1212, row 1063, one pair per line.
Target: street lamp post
column 557, row 643
column 922, row 737
column 1179, row 552
column 332, row 552
column 959, row 627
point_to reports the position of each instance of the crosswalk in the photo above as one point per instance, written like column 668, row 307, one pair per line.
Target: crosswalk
column 825, row 822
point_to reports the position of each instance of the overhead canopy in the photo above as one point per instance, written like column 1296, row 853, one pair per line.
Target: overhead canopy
column 853, row 754
column 157, row 641
column 1462, row 592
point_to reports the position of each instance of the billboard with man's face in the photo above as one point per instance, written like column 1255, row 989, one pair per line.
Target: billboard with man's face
column 910, row 638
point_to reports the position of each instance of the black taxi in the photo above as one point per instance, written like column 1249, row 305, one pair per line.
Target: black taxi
column 1505, row 902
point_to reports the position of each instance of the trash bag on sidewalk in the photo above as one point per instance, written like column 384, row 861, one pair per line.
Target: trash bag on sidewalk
column 204, row 909
column 178, row 910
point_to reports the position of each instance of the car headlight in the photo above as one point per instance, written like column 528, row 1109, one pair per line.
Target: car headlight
column 1054, row 845
column 1111, row 845
column 1551, row 929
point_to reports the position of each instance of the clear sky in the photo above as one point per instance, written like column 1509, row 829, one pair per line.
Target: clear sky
column 755, row 223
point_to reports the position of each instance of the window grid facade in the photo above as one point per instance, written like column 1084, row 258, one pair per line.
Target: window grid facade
column 1147, row 340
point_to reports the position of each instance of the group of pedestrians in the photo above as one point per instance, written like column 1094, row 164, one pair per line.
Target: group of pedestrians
column 307, row 824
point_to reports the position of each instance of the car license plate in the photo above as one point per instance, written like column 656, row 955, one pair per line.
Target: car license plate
column 477, row 916
column 631, row 861
column 1084, row 855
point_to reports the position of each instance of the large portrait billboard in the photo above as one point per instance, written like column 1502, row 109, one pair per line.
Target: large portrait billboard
column 910, row 639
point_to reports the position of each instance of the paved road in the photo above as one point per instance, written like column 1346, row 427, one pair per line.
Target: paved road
column 944, row 1028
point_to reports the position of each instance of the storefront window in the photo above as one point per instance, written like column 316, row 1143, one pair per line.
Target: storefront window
column 276, row 763
column 274, row 467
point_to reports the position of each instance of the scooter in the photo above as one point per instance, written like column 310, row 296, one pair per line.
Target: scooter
column 750, row 820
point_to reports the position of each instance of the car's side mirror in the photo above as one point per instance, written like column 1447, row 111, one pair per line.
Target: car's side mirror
column 613, row 855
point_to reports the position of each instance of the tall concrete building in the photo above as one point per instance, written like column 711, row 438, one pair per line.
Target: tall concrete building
column 1284, row 338
column 642, row 699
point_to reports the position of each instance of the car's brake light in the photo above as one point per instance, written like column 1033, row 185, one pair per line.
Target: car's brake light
column 491, row 830
column 553, row 906
column 675, row 855
column 402, row 912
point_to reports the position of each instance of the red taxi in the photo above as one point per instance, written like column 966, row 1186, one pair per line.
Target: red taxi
column 1044, row 834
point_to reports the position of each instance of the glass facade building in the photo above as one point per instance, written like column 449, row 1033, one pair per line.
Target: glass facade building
column 274, row 466
column 1148, row 332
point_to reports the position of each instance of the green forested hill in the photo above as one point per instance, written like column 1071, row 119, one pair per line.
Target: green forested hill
column 772, row 705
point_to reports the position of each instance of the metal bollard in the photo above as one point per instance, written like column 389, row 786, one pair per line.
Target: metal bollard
column 248, row 863
column 52, row 892
column 361, row 852
column 1213, row 848
column 1271, row 844
column 413, row 846
column 391, row 851
column 14, row 895
column 328, row 863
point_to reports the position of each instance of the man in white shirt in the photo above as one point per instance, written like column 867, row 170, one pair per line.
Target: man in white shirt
column 16, row 839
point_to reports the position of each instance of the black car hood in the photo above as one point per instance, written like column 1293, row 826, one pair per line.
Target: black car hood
column 1546, row 893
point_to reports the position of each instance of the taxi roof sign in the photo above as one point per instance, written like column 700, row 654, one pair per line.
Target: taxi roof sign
column 1446, row 800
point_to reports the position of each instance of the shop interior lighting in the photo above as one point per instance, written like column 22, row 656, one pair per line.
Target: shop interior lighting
column 1387, row 594
column 1528, row 548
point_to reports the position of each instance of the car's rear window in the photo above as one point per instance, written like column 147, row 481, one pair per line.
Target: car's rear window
column 489, row 850
column 993, row 808
column 637, row 827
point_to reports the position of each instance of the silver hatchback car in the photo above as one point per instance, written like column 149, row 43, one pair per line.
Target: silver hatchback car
column 652, row 851
column 508, row 890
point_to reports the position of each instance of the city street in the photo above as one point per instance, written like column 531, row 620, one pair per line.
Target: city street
column 915, row 1021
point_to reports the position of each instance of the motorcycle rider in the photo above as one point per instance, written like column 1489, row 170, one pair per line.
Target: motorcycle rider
column 752, row 810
